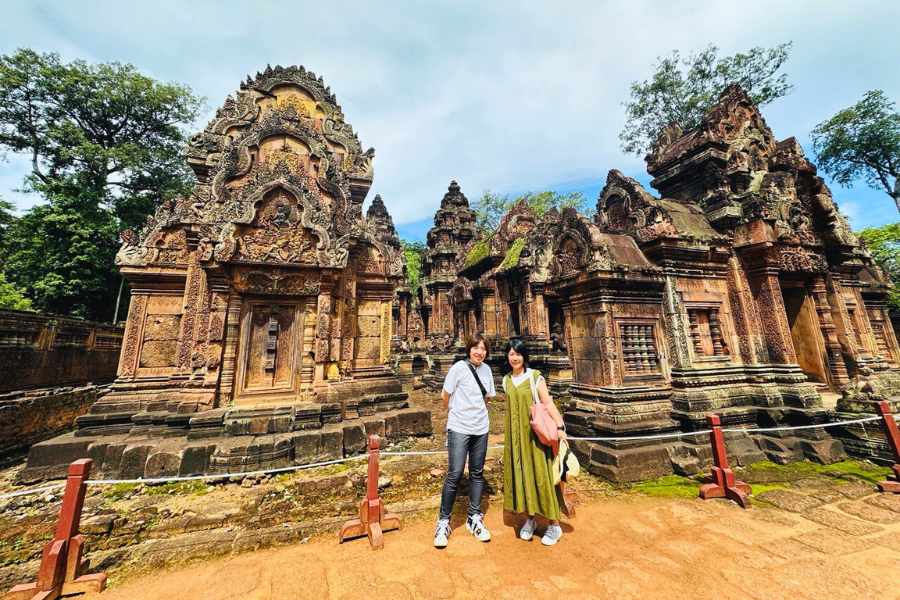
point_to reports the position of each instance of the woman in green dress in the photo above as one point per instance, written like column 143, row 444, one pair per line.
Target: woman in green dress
column 527, row 464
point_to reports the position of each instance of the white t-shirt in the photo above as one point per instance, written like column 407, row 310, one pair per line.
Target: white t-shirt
column 468, row 413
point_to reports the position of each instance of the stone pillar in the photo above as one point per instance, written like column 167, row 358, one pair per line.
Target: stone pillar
column 134, row 331
column 230, row 353
column 194, row 296
column 323, row 337
column 770, row 302
column 836, row 366
column 536, row 307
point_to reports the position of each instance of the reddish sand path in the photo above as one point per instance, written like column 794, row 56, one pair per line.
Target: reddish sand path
column 627, row 547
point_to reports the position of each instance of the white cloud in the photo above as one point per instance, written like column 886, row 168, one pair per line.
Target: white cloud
column 496, row 95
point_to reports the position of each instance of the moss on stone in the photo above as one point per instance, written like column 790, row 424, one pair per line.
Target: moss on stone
column 769, row 472
column 511, row 259
column 478, row 252
column 669, row 486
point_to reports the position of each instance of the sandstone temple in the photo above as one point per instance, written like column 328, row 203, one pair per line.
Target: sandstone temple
column 259, row 330
column 739, row 289
column 271, row 323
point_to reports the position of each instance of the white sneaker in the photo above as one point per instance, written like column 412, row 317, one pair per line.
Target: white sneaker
column 475, row 524
column 527, row 531
column 552, row 535
column 442, row 533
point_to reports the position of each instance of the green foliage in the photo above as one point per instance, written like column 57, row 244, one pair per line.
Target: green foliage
column 513, row 253
column 106, row 146
column 862, row 141
column 772, row 473
column 7, row 218
column 682, row 89
column 478, row 252
column 62, row 255
column 884, row 244
column 669, row 486
column 491, row 207
column 413, row 251
column 11, row 297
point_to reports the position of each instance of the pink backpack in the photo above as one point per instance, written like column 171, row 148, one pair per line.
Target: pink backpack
column 542, row 423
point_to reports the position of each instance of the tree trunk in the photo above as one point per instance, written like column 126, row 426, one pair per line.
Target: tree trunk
column 896, row 194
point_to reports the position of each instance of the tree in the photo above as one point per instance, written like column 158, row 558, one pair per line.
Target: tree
column 6, row 219
column 682, row 90
column 491, row 207
column 413, row 251
column 106, row 146
column 884, row 244
column 63, row 256
column 11, row 297
column 862, row 142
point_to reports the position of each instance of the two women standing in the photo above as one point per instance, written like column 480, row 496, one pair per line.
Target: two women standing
column 527, row 464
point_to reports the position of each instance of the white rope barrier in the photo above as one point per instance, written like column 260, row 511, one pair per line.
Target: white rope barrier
column 215, row 476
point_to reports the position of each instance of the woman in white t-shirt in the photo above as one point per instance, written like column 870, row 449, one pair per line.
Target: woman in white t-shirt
column 468, row 384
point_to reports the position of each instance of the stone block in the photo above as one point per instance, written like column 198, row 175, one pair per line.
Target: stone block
column 195, row 460
column 391, row 426
column 332, row 445
column 414, row 422
column 134, row 461
column 374, row 427
column 307, row 447
column 354, row 439
column 162, row 464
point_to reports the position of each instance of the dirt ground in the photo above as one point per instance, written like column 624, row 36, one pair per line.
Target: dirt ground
column 621, row 547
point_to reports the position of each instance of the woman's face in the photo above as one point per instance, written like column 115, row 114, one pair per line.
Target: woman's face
column 516, row 360
column 477, row 353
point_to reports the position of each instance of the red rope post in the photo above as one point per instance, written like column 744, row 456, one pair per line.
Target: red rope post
column 373, row 521
column 892, row 434
column 723, row 485
column 61, row 561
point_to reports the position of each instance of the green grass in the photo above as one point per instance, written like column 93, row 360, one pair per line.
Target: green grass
column 766, row 472
column 669, row 486
column 179, row 488
column 118, row 491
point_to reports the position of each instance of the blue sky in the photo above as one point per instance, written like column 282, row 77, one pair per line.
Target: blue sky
column 496, row 95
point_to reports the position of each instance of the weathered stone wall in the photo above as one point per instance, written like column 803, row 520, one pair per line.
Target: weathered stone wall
column 44, row 351
column 31, row 416
column 52, row 369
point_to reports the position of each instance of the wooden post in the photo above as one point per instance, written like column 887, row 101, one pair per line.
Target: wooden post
column 892, row 434
column 723, row 485
column 373, row 521
column 61, row 562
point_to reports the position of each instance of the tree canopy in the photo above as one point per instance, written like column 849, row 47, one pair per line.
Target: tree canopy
column 682, row 89
column 884, row 244
column 491, row 207
column 862, row 142
column 106, row 146
column 413, row 251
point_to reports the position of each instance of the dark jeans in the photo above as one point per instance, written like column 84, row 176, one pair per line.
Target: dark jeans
column 459, row 445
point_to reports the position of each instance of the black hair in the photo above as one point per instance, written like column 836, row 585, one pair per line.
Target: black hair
column 519, row 346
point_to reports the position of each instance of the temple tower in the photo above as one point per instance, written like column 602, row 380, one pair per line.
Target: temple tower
column 261, row 303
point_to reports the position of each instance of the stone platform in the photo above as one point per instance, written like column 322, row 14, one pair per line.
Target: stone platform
column 224, row 441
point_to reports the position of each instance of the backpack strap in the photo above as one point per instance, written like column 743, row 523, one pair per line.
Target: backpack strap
column 477, row 380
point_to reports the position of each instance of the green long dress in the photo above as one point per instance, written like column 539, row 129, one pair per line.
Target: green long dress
column 527, row 464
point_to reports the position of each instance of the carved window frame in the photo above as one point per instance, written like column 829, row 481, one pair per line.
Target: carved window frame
column 717, row 337
column 639, row 354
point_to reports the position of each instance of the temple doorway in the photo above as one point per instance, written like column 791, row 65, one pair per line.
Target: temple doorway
column 809, row 345
column 276, row 349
